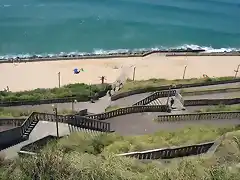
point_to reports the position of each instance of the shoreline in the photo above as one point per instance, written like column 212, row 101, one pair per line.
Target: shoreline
column 95, row 56
column 44, row 74
column 167, row 53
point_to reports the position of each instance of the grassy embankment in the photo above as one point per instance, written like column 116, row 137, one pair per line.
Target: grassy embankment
column 80, row 91
column 221, row 107
column 133, row 85
column 84, row 157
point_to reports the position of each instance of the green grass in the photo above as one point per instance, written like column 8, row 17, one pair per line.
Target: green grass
column 59, row 162
column 11, row 113
column 133, row 85
column 196, row 89
column 221, row 107
column 79, row 90
column 112, row 108
column 113, row 143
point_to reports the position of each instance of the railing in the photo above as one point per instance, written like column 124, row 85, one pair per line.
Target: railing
column 178, row 86
column 156, row 95
column 17, row 133
column 76, row 120
column 168, row 153
column 199, row 116
column 11, row 121
column 129, row 110
column 202, row 102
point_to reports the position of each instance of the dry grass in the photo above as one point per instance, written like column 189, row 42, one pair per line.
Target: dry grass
column 54, row 162
column 132, row 85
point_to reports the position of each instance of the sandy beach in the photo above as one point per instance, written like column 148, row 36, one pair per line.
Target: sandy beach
column 31, row 75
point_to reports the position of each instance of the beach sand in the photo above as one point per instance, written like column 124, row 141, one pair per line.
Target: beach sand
column 32, row 75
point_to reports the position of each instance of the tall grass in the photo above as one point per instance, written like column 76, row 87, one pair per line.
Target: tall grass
column 55, row 163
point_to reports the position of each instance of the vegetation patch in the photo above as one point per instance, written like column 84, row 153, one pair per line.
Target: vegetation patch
column 80, row 91
column 8, row 113
column 221, row 107
column 133, row 85
column 81, row 159
column 112, row 108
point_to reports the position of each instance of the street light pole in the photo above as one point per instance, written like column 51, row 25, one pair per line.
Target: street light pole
column 236, row 71
column 184, row 71
column 134, row 71
column 56, row 118
column 59, row 79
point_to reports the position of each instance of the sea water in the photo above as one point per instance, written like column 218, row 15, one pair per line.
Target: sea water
column 53, row 26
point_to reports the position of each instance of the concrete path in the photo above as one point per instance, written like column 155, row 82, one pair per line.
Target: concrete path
column 142, row 123
column 97, row 107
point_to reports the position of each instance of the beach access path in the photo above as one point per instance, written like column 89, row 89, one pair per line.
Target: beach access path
column 32, row 75
column 100, row 105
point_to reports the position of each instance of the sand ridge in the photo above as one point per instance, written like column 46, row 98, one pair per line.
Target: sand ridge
column 31, row 75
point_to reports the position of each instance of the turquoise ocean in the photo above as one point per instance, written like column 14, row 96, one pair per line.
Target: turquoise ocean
column 30, row 27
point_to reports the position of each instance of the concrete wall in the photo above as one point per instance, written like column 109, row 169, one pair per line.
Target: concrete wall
column 9, row 136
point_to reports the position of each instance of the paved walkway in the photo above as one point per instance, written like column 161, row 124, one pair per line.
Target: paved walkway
column 142, row 123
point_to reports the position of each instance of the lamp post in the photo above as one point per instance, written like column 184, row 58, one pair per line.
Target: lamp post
column 59, row 79
column 184, row 71
column 73, row 103
column 134, row 72
column 56, row 118
column 236, row 71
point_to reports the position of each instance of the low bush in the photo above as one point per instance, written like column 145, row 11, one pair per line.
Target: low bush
column 80, row 91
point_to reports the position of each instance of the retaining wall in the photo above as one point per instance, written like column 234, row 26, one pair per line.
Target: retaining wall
column 206, row 102
column 156, row 95
column 206, row 54
column 168, row 153
column 178, row 86
column 199, row 116
column 9, row 136
column 129, row 110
